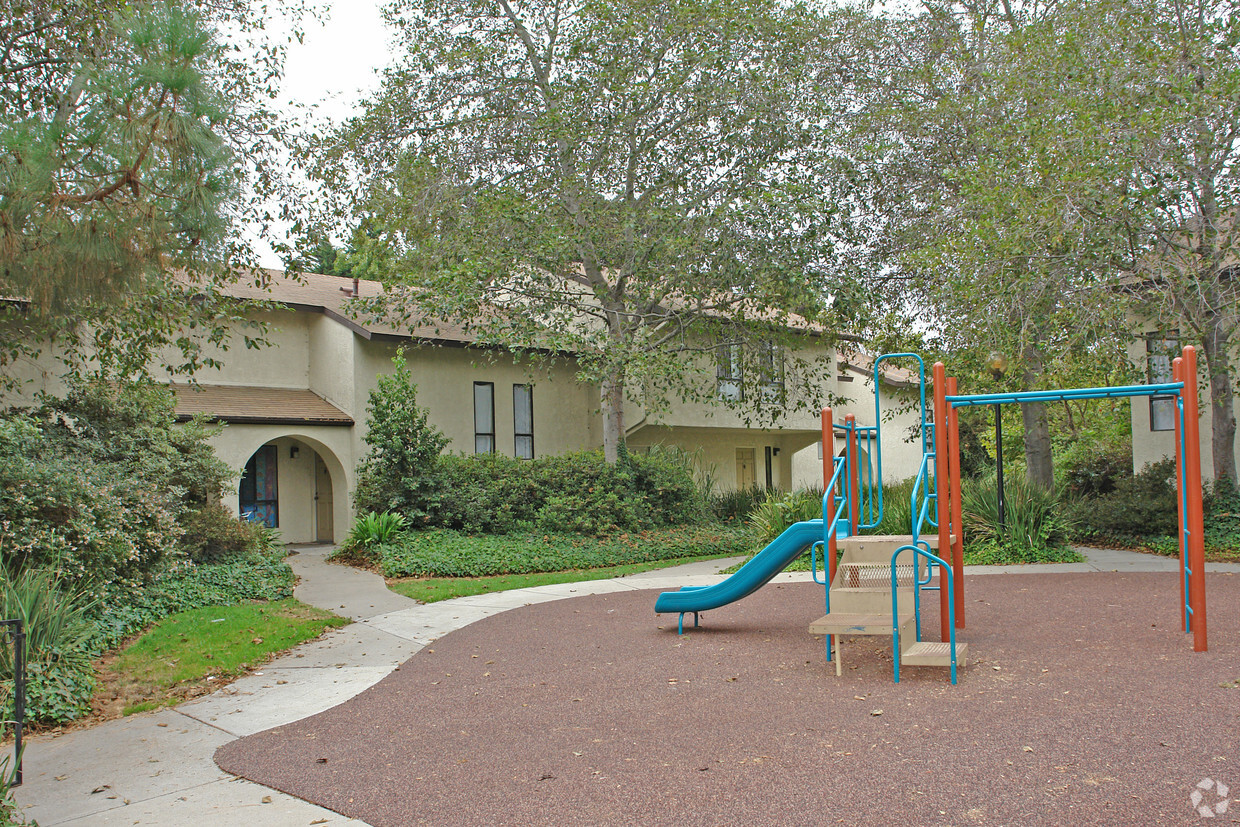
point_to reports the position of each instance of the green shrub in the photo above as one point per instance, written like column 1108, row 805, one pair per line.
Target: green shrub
column 1033, row 516
column 1088, row 468
column 1222, row 516
column 101, row 485
column 399, row 472
column 737, row 505
column 372, row 530
column 1140, row 506
column 778, row 511
column 897, row 508
column 440, row 553
column 574, row 493
column 60, row 676
column 213, row 535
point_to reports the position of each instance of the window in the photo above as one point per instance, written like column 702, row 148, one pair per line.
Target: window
column 523, row 421
column 484, row 417
column 771, row 371
column 728, row 371
column 1158, row 355
column 258, row 497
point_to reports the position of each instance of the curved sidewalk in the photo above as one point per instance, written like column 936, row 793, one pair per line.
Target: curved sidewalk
column 159, row 768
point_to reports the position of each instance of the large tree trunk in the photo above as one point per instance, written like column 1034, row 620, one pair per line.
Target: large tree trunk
column 1222, row 413
column 612, row 406
column 1038, row 461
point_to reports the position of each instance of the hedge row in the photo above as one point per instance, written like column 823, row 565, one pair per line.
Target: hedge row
column 442, row 553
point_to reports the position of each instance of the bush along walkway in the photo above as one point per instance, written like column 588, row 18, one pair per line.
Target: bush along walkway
column 159, row 768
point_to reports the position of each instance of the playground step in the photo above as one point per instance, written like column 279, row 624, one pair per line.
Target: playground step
column 840, row 623
column 932, row 653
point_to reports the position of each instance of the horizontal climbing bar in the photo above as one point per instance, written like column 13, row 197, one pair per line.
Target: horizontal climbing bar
column 1165, row 389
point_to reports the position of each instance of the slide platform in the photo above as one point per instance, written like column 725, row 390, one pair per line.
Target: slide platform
column 750, row 577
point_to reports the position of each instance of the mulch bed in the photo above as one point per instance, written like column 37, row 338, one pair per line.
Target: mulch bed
column 1083, row 703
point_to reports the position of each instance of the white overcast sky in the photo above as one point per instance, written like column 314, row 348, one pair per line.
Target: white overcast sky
column 334, row 66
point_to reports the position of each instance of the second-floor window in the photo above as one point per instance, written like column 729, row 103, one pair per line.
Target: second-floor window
column 1158, row 355
column 728, row 371
column 771, row 371
column 523, row 421
column 484, row 417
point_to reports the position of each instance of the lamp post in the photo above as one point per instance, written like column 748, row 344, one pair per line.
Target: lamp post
column 997, row 364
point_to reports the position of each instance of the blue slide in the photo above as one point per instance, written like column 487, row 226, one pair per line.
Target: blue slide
column 752, row 576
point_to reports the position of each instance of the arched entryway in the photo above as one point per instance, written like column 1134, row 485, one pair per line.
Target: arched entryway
column 295, row 484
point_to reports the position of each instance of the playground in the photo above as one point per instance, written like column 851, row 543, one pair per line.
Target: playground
column 1081, row 705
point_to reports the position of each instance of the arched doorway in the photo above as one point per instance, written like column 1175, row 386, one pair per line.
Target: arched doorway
column 296, row 485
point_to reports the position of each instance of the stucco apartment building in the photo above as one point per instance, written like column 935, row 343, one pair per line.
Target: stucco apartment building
column 294, row 413
column 1153, row 419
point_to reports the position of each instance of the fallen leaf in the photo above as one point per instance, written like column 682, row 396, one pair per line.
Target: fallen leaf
column 101, row 789
column 266, row 799
column 876, row 712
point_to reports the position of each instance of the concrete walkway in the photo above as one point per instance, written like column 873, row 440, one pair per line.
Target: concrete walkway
column 158, row 768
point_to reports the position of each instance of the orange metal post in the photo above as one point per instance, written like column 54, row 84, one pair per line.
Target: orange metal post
column 941, row 485
column 1177, row 375
column 828, row 469
column 854, row 479
column 953, row 472
column 1192, row 482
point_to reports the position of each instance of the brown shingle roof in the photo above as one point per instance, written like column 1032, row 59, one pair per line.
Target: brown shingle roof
column 256, row 405
column 333, row 295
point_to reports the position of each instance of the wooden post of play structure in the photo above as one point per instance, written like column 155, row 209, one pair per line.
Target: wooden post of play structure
column 1177, row 375
column 953, row 471
column 941, row 485
column 1192, row 484
column 854, row 479
column 828, row 471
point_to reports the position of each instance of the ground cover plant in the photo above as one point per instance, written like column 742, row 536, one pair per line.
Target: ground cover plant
column 200, row 649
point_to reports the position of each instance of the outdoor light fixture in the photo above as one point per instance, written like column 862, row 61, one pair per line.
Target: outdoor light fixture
column 997, row 364
column 293, row 451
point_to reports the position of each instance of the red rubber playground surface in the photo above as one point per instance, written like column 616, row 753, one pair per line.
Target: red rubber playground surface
column 1083, row 703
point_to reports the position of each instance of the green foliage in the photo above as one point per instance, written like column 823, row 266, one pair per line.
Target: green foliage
column 60, row 677
column 371, row 530
column 1222, row 516
column 1033, row 517
column 736, row 505
column 1142, row 505
column 778, row 511
column 575, row 493
column 997, row 552
column 897, row 508
column 576, row 151
column 1090, row 468
column 103, row 485
column 136, row 143
column 215, row 535
column 399, row 472
column 440, row 553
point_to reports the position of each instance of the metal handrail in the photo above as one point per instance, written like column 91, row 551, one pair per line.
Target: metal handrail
column 878, row 418
column 932, row 560
column 828, row 528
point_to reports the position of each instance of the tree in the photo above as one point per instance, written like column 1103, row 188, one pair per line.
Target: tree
column 134, row 143
column 995, row 171
column 1181, row 200
column 632, row 181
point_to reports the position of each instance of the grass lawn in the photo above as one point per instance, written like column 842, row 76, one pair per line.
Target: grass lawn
column 432, row 589
column 197, row 651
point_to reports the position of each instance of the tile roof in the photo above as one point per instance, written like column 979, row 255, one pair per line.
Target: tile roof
column 256, row 405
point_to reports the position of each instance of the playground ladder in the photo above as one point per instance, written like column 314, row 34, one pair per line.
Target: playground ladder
column 859, row 600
